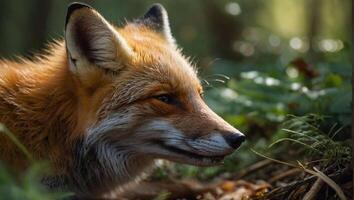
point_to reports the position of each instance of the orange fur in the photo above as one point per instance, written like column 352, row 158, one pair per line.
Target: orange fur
column 47, row 107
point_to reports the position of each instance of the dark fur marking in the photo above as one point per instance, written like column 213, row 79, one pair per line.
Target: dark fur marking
column 153, row 18
column 72, row 7
column 82, row 39
column 88, row 174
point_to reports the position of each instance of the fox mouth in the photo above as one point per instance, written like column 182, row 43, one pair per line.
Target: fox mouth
column 192, row 158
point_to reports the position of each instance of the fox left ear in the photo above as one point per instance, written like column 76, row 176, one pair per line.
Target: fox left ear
column 156, row 18
column 91, row 39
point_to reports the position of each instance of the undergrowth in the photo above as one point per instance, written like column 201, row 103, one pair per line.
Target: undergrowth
column 319, row 144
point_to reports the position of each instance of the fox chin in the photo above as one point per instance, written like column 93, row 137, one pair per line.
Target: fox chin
column 106, row 102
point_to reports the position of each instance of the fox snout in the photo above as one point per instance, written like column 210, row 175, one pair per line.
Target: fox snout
column 216, row 143
column 231, row 136
column 234, row 139
column 198, row 136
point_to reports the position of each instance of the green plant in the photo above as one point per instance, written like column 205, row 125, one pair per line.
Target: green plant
column 26, row 185
column 318, row 144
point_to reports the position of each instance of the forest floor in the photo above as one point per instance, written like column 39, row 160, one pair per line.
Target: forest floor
column 266, row 179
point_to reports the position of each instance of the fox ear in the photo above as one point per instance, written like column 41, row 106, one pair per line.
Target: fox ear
column 156, row 18
column 90, row 39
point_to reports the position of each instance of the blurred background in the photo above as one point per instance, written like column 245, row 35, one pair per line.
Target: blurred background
column 267, row 67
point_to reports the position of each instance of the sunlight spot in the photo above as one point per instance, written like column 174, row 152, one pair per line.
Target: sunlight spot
column 295, row 43
column 295, row 86
column 228, row 94
column 259, row 80
column 313, row 94
column 269, row 81
column 299, row 44
column 248, row 103
column 304, row 89
column 247, row 49
column 274, row 40
column 249, row 75
column 233, row 8
column 159, row 162
column 292, row 72
column 330, row 45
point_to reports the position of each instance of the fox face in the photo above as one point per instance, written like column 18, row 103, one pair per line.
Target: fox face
column 140, row 98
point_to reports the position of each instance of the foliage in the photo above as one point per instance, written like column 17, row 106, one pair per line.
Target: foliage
column 27, row 186
column 307, row 132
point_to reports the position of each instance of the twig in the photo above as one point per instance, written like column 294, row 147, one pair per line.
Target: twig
column 316, row 187
column 315, row 172
column 338, row 130
column 252, row 168
column 284, row 175
column 282, row 192
column 329, row 181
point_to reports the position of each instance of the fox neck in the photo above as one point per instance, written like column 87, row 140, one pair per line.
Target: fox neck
column 101, row 170
column 39, row 107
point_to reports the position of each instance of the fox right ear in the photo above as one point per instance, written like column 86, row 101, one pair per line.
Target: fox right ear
column 90, row 39
column 156, row 18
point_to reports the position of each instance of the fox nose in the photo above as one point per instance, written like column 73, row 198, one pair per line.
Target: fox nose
column 234, row 139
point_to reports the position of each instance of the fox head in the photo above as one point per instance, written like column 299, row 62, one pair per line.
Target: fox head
column 139, row 96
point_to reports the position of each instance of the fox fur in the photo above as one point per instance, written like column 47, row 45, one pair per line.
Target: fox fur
column 104, row 103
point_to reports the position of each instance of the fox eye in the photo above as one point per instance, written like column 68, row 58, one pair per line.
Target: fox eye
column 166, row 99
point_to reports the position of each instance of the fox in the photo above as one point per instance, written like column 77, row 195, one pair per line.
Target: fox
column 104, row 104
